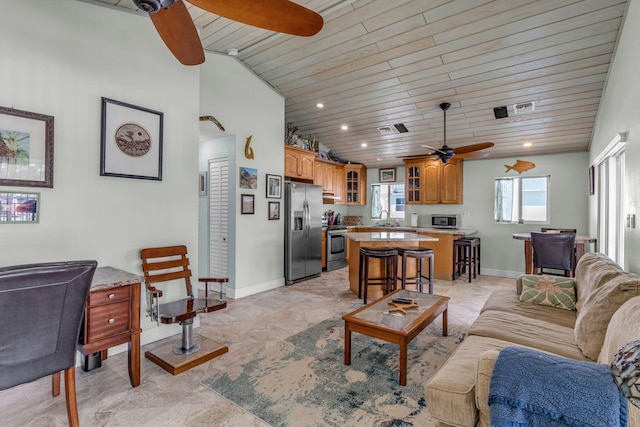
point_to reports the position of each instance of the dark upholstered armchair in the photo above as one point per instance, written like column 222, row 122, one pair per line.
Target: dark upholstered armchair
column 41, row 308
column 554, row 251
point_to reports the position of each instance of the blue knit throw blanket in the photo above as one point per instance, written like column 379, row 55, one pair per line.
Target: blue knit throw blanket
column 531, row 388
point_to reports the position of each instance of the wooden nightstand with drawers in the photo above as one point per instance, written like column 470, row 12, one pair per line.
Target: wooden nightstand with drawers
column 112, row 317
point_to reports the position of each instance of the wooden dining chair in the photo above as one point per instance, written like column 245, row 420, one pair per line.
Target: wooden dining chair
column 559, row 230
column 555, row 251
column 170, row 265
column 41, row 309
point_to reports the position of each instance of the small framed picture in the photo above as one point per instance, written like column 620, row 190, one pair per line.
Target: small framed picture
column 274, row 210
column 248, row 178
column 387, row 174
column 247, row 202
column 274, row 186
column 19, row 208
column 202, row 183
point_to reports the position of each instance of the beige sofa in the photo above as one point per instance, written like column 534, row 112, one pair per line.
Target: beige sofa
column 607, row 316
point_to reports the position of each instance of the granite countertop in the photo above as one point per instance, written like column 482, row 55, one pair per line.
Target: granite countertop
column 109, row 277
column 388, row 236
column 465, row 231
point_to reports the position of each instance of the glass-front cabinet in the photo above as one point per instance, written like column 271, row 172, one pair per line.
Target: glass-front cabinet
column 355, row 184
column 413, row 182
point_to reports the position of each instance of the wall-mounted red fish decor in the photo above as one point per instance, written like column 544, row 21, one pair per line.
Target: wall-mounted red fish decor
column 521, row 166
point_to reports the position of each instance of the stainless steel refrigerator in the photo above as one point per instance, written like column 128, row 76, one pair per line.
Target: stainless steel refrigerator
column 303, row 231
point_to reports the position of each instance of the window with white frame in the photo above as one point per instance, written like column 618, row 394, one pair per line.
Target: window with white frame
column 522, row 200
column 389, row 198
column 609, row 189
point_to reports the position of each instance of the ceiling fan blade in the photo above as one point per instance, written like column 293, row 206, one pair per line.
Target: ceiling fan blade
column 474, row 155
column 417, row 156
column 431, row 148
column 282, row 16
column 474, row 147
column 176, row 29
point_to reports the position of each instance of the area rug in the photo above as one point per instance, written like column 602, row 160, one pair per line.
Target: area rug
column 303, row 381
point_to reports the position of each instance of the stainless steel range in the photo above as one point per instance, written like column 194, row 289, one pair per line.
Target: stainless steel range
column 336, row 247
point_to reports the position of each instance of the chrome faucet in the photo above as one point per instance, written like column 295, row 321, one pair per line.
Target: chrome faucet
column 386, row 223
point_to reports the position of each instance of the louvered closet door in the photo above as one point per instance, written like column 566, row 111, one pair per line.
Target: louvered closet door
column 218, row 217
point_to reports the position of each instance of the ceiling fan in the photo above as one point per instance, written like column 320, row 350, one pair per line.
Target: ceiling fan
column 445, row 153
column 175, row 26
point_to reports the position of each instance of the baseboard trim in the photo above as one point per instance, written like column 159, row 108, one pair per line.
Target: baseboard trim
column 236, row 293
column 500, row 273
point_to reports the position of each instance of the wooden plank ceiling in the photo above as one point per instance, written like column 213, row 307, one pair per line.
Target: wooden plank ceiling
column 378, row 63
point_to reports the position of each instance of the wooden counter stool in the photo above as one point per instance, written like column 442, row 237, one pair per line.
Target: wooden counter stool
column 419, row 254
column 466, row 255
column 389, row 274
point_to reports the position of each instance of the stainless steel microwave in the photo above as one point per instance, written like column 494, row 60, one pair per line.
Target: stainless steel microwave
column 445, row 221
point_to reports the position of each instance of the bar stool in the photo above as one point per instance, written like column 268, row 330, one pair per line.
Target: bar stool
column 389, row 278
column 419, row 254
column 466, row 254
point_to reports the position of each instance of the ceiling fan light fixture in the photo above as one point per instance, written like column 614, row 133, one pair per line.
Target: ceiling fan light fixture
column 152, row 6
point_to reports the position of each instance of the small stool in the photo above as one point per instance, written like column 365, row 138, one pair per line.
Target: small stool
column 466, row 254
column 389, row 279
column 419, row 254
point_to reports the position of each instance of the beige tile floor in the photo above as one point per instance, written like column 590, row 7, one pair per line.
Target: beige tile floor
column 106, row 398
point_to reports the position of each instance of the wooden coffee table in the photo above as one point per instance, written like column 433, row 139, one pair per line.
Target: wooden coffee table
column 375, row 321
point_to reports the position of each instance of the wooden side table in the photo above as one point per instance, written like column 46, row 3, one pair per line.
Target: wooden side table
column 112, row 317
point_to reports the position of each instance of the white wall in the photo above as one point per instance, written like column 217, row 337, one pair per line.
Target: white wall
column 59, row 58
column 246, row 106
column 619, row 112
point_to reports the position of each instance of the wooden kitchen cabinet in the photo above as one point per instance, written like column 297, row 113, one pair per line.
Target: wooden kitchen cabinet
column 429, row 181
column 324, row 175
column 355, row 184
column 451, row 182
column 339, row 184
column 299, row 163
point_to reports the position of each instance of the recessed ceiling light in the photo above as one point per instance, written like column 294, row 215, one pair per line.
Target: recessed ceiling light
column 364, row 144
column 379, row 159
column 320, row 105
column 345, row 127
column 232, row 52
column 527, row 144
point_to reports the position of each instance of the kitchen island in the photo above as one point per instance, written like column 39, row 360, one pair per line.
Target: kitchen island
column 377, row 239
column 442, row 247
